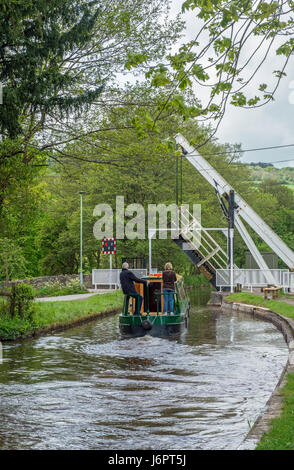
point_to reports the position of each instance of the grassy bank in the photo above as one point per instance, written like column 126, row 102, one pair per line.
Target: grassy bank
column 281, row 434
column 52, row 315
column 274, row 305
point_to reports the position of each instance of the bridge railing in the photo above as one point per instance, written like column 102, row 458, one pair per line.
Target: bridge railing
column 288, row 279
column 110, row 277
column 199, row 238
column 254, row 277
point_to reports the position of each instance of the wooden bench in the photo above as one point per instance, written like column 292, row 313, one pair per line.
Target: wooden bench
column 271, row 290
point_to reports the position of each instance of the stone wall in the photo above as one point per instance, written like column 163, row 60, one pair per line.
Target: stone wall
column 63, row 279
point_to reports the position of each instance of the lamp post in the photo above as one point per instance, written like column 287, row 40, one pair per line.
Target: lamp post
column 81, row 241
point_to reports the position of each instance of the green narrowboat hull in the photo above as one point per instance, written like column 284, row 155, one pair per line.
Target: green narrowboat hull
column 158, row 324
column 161, row 325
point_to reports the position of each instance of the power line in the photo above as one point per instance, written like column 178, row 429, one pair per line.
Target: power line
column 248, row 150
column 123, row 158
column 280, row 161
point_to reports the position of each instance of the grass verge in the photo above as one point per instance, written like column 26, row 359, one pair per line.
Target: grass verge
column 281, row 434
column 53, row 315
column 277, row 306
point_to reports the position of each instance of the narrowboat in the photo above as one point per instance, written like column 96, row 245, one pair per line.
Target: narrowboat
column 151, row 320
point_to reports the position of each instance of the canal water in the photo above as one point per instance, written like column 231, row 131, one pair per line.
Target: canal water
column 87, row 388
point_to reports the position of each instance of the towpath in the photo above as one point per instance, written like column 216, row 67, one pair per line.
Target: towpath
column 72, row 296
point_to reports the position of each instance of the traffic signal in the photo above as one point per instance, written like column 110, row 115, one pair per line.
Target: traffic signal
column 108, row 246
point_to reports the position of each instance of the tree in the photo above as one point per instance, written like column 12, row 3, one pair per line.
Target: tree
column 56, row 58
column 233, row 41
column 141, row 169
column 12, row 261
column 36, row 38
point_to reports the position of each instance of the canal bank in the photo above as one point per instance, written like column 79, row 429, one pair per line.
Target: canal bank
column 57, row 315
column 264, row 427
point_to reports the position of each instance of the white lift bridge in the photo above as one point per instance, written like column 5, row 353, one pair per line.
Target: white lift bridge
column 208, row 256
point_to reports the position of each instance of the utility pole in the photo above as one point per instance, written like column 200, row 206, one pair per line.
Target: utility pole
column 177, row 181
column 81, row 242
column 231, row 225
column 181, row 200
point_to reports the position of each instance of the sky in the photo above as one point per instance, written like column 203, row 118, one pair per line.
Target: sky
column 270, row 125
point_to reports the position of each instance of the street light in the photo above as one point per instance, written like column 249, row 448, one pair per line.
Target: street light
column 81, row 241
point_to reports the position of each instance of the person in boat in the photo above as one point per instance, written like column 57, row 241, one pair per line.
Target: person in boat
column 127, row 279
column 169, row 278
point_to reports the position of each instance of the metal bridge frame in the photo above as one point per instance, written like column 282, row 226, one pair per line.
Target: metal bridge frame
column 153, row 231
column 242, row 209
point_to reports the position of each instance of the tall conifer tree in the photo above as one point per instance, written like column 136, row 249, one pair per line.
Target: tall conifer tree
column 35, row 38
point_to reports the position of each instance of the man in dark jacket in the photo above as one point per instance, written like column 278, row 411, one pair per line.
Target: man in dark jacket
column 127, row 279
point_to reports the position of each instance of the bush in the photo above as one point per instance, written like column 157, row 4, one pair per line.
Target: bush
column 11, row 328
column 56, row 314
column 21, row 300
column 196, row 280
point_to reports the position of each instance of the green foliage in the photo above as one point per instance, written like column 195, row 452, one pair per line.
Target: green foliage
column 21, row 301
column 43, row 215
column 196, row 280
column 267, row 172
column 246, row 298
column 57, row 314
column 134, row 59
column 218, row 58
column 47, row 212
column 35, row 39
column 12, row 260
column 13, row 328
column 56, row 288
column 277, row 306
column 143, row 171
column 56, row 59
column 281, row 433
column 63, row 52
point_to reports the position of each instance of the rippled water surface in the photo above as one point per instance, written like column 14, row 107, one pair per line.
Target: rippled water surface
column 87, row 388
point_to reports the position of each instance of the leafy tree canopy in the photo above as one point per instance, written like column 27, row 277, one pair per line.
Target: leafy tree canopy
column 233, row 41
column 60, row 62
column 36, row 37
